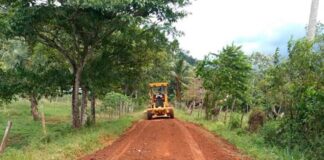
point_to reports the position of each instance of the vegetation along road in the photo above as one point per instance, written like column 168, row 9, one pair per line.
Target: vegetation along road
column 76, row 76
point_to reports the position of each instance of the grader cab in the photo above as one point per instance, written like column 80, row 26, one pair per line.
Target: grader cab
column 159, row 106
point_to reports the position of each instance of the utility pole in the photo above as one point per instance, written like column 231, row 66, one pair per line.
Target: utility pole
column 312, row 20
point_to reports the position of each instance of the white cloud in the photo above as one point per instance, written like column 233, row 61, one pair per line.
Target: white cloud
column 215, row 23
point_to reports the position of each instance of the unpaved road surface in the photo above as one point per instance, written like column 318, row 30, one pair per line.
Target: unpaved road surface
column 167, row 139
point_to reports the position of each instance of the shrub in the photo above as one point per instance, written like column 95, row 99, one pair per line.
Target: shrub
column 269, row 131
column 113, row 100
column 241, row 132
column 303, row 128
column 256, row 120
column 235, row 121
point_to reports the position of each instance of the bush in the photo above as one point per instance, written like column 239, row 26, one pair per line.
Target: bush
column 113, row 100
column 269, row 131
column 241, row 132
column 235, row 121
column 303, row 129
column 256, row 120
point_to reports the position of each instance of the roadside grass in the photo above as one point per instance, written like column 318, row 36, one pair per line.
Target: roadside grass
column 28, row 142
column 252, row 144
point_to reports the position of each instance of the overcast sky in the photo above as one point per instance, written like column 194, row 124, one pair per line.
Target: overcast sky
column 257, row 25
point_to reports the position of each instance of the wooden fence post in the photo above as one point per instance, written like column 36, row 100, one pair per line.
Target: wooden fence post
column 44, row 123
column 5, row 137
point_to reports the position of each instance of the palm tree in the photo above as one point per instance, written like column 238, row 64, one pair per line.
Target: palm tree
column 180, row 73
column 312, row 20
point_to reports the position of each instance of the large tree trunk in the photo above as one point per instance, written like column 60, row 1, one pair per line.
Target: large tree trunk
column 84, row 103
column 233, row 104
column 180, row 102
column 220, row 112
column 93, row 108
column 192, row 106
column 33, row 107
column 206, row 103
column 178, row 92
column 136, row 94
column 233, row 107
column 76, row 123
column 225, row 117
column 242, row 116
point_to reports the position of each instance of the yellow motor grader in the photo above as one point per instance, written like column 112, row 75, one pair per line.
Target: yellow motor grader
column 159, row 106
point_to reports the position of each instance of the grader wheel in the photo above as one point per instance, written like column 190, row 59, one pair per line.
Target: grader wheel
column 171, row 115
column 149, row 115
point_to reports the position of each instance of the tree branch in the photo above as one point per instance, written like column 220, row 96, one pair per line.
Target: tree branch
column 52, row 43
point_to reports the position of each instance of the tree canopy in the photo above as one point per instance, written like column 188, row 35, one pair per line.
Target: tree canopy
column 80, row 32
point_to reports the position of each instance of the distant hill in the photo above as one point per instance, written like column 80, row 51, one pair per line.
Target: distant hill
column 188, row 58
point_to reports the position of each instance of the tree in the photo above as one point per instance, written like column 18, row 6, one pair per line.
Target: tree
column 194, row 93
column 276, row 90
column 303, row 86
column 227, row 75
column 79, row 29
column 188, row 58
column 136, row 58
column 276, row 57
column 180, row 73
column 259, row 78
column 8, row 86
column 34, row 71
column 233, row 71
column 207, row 71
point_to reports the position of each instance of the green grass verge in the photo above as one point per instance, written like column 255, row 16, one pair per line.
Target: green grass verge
column 27, row 141
column 251, row 144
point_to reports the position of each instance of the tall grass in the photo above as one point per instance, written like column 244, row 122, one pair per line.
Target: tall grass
column 28, row 142
column 252, row 144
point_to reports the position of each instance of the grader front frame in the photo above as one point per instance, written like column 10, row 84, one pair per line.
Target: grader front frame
column 159, row 105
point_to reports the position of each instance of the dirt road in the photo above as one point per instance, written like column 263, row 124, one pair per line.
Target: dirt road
column 167, row 139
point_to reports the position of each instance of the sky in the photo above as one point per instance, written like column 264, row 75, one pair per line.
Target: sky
column 257, row 25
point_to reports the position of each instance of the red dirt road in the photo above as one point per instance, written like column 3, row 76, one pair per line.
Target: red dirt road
column 167, row 139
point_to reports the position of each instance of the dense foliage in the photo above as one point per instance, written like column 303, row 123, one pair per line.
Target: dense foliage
column 289, row 90
column 106, row 45
column 226, row 76
column 111, row 50
column 303, row 125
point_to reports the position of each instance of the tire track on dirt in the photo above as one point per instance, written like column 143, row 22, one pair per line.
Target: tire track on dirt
column 224, row 151
column 131, row 140
column 168, row 139
column 195, row 150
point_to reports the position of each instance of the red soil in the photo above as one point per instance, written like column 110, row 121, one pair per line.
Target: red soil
column 167, row 139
